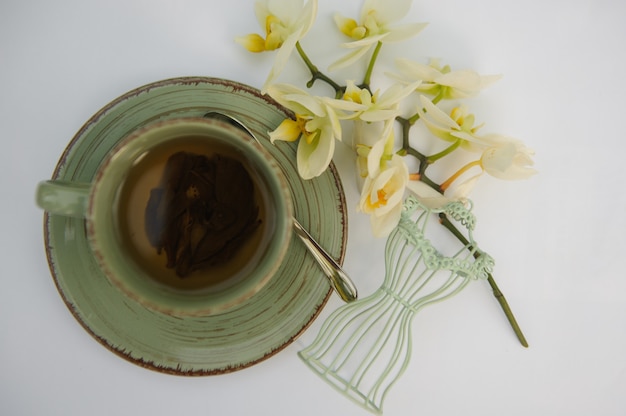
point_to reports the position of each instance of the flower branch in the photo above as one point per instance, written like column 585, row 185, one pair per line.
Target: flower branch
column 446, row 184
column 370, row 68
column 316, row 74
column 382, row 168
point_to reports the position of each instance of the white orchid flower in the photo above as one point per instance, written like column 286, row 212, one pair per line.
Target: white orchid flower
column 383, row 194
column 371, row 158
column 507, row 159
column 380, row 107
column 442, row 82
column 458, row 125
column 285, row 23
column 502, row 158
column 317, row 125
column 375, row 25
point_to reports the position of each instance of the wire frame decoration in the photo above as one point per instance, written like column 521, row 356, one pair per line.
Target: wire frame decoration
column 364, row 347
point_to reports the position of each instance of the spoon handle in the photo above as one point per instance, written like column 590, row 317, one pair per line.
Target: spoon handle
column 339, row 280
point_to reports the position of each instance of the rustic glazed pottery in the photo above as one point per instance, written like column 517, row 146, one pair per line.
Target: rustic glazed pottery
column 205, row 344
column 101, row 212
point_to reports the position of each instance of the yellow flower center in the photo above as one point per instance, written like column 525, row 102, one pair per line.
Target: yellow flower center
column 274, row 33
column 381, row 195
column 351, row 28
column 308, row 135
column 464, row 120
column 353, row 95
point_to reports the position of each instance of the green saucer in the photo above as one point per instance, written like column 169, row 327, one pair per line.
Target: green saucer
column 216, row 344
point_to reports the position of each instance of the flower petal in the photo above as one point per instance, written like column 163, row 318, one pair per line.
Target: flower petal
column 311, row 105
column 368, row 41
column 282, row 56
column 261, row 11
column 349, row 58
column 288, row 130
column 464, row 79
column 427, row 195
column 297, row 100
column 387, row 11
column 313, row 158
column 470, row 140
column 403, row 32
column 252, row 42
column 307, row 16
column 383, row 225
column 374, row 157
column 417, row 70
column 344, row 105
column 396, row 93
column 437, row 116
column 379, row 115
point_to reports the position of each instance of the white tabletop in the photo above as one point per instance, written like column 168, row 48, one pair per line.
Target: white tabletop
column 558, row 238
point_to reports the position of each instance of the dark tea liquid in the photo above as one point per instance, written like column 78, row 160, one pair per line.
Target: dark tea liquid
column 175, row 177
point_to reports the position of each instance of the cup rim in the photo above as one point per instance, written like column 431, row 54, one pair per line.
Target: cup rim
column 157, row 297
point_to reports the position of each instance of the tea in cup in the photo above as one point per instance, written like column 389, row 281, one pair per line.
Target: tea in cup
column 189, row 216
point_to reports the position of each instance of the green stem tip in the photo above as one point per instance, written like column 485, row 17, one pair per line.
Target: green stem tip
column 497, row 293
column 507, row 311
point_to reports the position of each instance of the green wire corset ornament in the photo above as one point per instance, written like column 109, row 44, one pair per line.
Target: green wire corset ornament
column 365, row 346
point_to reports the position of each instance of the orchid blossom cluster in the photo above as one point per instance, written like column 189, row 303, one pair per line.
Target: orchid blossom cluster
column 382, row 163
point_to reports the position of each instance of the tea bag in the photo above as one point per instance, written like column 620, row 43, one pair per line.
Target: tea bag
column 202, row 212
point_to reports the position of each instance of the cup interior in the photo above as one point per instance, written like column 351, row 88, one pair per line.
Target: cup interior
column 215, row 244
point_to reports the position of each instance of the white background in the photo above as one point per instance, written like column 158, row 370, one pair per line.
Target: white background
column 558, row 238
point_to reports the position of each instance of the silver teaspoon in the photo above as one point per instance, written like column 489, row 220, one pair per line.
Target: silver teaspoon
column 339, row 280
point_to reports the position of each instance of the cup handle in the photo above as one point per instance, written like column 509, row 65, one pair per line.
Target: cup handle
column 63, row 198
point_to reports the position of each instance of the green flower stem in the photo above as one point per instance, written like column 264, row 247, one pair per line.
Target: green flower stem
column 445, row 185
column 370, row 67
column 504, row 305
column 507, row 310
column 444, row 152
column 414, row 118
column 406, row 146
column 439, row 96
column 430, row 182
column 317, row 74
column 407, row 149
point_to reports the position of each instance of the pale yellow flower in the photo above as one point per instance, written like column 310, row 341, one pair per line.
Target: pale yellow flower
column 502, row 158
column 285, row 23
column 459, row 124
column 379, row 107
column 442, row 81
column 373, row 153
column 507, row 159
column 383, row 194
column 375, row 25
column 317, row 126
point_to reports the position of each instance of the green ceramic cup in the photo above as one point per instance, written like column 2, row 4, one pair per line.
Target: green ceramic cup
column 97, row 203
